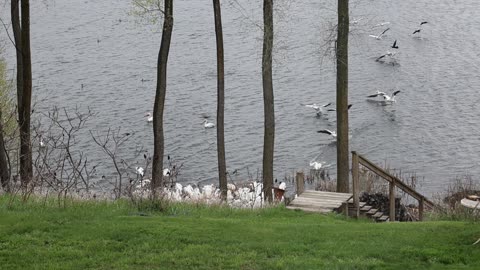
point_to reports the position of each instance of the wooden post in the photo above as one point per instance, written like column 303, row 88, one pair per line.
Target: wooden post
column 420, row 209
column 300, row 183
column 392, row 200
column 355, row 184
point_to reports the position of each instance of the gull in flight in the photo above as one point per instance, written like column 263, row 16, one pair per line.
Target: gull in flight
column 388, row 53
column 380, row 36
column 319, row 108
column 386, row 98
column 395, row 46
column 207, row 124
column 329, row 132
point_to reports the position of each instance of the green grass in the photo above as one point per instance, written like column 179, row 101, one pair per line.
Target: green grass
column 99, row 235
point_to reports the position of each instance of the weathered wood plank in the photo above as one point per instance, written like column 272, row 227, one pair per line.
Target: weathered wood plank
column 324, row 211
column 470, row 203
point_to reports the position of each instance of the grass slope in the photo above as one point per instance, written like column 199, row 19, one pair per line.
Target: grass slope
column 93, row 235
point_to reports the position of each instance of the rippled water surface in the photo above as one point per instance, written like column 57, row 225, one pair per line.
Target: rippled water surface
column 433, row 129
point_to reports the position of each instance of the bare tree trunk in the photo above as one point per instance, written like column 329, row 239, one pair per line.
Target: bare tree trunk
column 26, row 171
column 269, row 135
column 158, row 138
column 222, row 167
column 15, row 14
column 4, row 170
column 342, row 97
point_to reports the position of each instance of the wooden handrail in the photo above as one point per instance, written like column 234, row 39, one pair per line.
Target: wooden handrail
column 393, row 180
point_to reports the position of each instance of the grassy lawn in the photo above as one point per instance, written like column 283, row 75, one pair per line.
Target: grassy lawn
column 99, row 235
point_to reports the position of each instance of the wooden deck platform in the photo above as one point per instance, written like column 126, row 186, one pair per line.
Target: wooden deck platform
column 320, row 201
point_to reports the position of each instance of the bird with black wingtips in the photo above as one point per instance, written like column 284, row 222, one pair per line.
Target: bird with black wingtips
column 329, row 132
column 386, row 98
column 388, row 53
column 394, row 46
column 416, row 31
column 379, row 36
column 424, row 22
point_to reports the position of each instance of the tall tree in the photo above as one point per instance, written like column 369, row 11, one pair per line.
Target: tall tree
column 158, row 107
column 21, row 32
column 269, row 112
column 222, row 170
column 342, row 97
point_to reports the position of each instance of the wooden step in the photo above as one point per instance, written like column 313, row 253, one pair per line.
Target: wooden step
column 310, row 209
column 377, row 215
column 365, row 208
column 383, row 219
column 372, row 211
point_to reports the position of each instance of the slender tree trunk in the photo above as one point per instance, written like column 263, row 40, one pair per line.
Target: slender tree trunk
column 269, row 135
column 4, row 170
column 342, row 98
column 158, row 138
column 15, row 15
column 222, row 167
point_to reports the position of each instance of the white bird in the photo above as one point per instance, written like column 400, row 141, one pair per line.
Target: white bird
column 316, row 165
column 318, row 108
column 383, row 23
column 167, row 172
column 380, row 36
column 42, row 143
column 388, row 53
column 140, row 171
column 282, row 186
column 329, row 132
column 386, row 98
column 207, row 124
column 149, row 117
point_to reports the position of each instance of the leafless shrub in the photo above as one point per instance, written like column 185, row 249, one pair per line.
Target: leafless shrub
column 448, row 202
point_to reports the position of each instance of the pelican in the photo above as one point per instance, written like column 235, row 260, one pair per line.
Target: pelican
column 379, row 36
column 318, row 108
column 140, row 171
column 329, row 132
column 149, row 117
column 282, row 186
column 207, row 124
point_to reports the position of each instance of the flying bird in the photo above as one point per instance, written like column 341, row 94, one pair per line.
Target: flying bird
column 422, row 23
column 349, row 106
column 318, row 108
column 394, row 46
column 416, row 31
column 329, row 132
column 390, row 54
column 380, row 36
column 386, row 98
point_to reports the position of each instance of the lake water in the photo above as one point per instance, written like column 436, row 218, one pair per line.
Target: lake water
column 432, row 130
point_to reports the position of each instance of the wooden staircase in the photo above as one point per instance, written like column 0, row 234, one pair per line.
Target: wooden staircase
column 327, row 202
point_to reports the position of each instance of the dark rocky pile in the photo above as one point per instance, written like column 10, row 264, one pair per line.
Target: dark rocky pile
column 381, row 201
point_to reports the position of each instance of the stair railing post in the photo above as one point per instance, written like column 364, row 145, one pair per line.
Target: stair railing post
column 420, row 209
column 300, row 179
column 392, row 199
column 355, row 184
